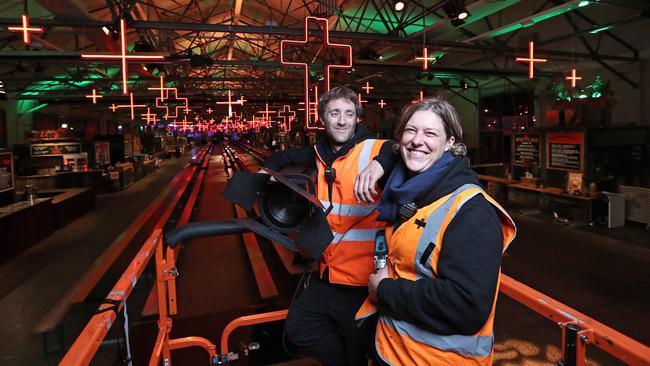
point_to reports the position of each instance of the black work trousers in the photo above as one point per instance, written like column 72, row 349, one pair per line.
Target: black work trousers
column 321, row 322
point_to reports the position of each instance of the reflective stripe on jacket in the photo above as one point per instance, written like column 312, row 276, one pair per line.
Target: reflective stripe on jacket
column 413, row 254
column 348, row 258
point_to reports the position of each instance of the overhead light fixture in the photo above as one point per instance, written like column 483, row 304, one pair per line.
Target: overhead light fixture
column 456, row 11
column 583, row 3
column 399, row 5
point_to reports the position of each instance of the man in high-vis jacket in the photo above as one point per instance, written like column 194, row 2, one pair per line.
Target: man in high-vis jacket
column 321, row 320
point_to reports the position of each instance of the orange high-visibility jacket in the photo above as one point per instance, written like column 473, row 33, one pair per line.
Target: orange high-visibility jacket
column 349, row 257
column 402, row 343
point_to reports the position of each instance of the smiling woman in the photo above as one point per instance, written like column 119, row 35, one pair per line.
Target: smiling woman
column 445, row 240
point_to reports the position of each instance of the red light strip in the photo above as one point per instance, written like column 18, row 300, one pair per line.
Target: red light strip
column 25, row 29
column 361, row 101
column 123, row 57
column 287, row 116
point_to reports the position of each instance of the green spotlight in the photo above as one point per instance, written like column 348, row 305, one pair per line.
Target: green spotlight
column 583, row 3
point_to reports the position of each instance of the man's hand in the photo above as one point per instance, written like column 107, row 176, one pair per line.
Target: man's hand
column 364, row 186
column 373, row 282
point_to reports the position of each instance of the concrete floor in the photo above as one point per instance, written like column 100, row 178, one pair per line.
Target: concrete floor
column 605, row 278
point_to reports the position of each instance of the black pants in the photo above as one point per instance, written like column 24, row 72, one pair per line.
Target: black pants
column 321, row 322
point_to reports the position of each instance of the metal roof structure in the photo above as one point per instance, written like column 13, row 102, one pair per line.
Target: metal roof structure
column 214, row 46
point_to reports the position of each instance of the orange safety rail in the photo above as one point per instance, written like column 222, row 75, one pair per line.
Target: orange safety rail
column 184, row 218
column 81, row 289
column 249, row 320
column 593, row 332
column 87, row 343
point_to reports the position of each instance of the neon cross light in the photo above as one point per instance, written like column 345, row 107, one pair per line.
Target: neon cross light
column 531, row 59
column 421, row 98
column 267, row 115
column 176, row 108
column 367, row 87
column 361, row 99
column 25, row 29
column 114, row 107
column 573, row 78
column 124, row 57
column 209, row 110
column 381, row 104
column 94, row 96
column 325, row 44
column 425, row 59
column 239, row 101
column 287, row 115
column 150, row 118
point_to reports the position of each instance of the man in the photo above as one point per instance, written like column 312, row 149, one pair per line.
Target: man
column 321, row 320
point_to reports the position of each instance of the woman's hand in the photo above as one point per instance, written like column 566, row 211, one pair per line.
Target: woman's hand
column 373, row 282
column 364, row 186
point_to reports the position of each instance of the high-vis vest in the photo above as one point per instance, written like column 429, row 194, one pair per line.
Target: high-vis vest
column 413, row 253
column 348, row 258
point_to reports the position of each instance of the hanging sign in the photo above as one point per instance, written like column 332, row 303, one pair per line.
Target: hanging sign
column 6, row 171
column 54, row 149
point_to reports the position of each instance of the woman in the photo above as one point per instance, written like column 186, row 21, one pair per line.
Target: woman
column 438, row 292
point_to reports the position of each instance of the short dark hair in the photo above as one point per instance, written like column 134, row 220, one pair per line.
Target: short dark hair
column 447, row 113
column 339, row 92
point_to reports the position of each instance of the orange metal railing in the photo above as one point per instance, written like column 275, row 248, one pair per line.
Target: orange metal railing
column 589, row 331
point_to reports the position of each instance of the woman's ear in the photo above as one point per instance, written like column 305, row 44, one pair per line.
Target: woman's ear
column 450, row 143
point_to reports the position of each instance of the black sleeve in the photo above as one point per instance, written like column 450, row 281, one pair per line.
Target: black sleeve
column 302, row 157
column 460, row 299
column 387, row 158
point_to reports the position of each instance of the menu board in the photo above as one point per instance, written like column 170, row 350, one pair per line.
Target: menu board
column 102, row 153
column 55, row 149
column 526, row 148
column 565, row 150
column 6, row 171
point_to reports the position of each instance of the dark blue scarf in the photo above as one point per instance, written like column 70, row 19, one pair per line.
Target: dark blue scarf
column 401, row 189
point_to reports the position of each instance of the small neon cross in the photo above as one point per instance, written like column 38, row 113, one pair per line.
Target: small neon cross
column 149, row 117
column 573, row 78
column 288, row 116
column 425, row 59
column 26, row 29
column 124, row 57
column 381, row 104
column 94, row 96
column 367, row 88
column 361, row 99
column 239, row 101
column 531, row 59
column 114, row 107
column 209, row 110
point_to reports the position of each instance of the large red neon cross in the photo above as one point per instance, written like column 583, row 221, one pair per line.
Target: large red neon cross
column 94, row 96
column 531, row 59
column 114, row 107
column 123, row 57
column 573, row 78
column 425, row 59
column 25, row 29
column 322, row 25
column 287, row 116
